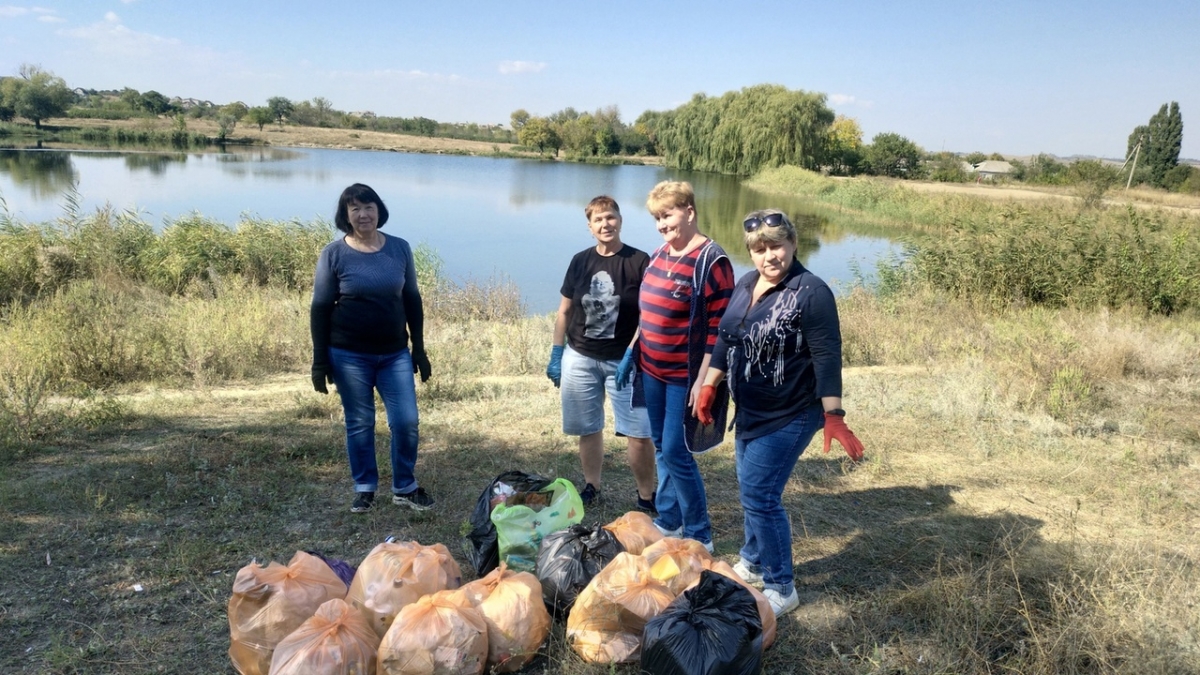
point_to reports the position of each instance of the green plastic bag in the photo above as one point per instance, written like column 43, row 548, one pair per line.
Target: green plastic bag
column 520, row 529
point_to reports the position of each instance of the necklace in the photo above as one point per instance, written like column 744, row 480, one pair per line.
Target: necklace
column 671, row 268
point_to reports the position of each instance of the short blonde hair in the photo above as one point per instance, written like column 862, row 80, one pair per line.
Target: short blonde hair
column 671, row 194
column 766, row 235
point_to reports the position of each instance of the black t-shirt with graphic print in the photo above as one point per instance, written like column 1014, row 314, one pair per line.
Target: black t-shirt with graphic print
column 604, row 301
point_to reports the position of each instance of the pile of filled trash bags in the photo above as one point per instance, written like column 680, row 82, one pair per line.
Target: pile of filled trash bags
column 627, row 594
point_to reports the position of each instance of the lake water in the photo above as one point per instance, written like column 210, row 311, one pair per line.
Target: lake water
column 486, row 217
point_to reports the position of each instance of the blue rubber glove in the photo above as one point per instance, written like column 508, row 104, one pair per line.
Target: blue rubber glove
column 554, row 368
column 625, row 369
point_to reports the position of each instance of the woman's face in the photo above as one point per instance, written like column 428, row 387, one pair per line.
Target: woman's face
column 605, row 227
column 772, row 260
column 677, row 225
column 363, row 216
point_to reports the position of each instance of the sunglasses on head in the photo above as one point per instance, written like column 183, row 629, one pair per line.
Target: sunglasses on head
column 770, row 220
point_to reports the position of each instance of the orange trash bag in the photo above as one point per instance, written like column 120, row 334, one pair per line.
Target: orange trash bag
column 769, row 622
column 606, row 623
column 516, row 617
column 268, row 603
column 439, row 634
column 635, row 530
column 676, row 562
column 395, row 574
column 337, row 640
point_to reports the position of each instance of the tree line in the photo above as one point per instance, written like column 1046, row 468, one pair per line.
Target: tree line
column 740, row 132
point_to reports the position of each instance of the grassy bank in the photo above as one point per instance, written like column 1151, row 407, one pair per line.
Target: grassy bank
column 1044, row 253
column 1028, row 503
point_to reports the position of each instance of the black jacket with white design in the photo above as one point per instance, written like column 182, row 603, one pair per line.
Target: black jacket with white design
column 781, row 354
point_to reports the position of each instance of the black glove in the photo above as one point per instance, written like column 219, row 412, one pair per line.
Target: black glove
column 421, row 364
column 321, row 373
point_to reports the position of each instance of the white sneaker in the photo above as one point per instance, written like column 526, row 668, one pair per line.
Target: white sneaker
column 677, row 532
column 708, row 546
column 748, row 575
column 781, row 604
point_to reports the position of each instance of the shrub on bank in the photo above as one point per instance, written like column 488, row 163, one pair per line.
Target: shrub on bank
column 1045, row 253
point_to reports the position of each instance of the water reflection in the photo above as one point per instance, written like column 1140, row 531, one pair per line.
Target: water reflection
column 154, row 162
column 46, row 174
column 519, row 218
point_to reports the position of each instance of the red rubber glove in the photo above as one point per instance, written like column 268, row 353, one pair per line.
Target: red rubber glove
column 708, row 394
column 835, row 427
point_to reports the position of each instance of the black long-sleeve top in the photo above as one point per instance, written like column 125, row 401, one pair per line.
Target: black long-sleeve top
column 782, row 354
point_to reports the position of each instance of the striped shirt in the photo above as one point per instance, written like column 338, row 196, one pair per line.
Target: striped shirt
column 665, row 304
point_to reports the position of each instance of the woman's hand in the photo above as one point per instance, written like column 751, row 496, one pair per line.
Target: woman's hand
column 554, row 368
column 321, row 373
column 625, row 369
column 708, row 394
column 835, row 427
column 421, row 364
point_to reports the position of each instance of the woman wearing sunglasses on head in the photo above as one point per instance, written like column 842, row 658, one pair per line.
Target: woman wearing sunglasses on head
column 781, row 346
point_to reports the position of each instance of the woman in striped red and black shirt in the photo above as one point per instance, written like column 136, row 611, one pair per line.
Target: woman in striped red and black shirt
column 682, row 299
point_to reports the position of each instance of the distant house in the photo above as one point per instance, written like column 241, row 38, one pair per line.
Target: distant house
column 992, row 169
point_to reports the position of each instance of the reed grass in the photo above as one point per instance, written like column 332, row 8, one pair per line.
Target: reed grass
column 1039, row 253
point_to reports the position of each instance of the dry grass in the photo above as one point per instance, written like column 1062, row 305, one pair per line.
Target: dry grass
column 1008, row 518
column 1141, row 196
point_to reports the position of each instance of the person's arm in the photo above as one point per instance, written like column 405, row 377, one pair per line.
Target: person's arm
column 414, row 316
column 320, row 321
column 554, row 365
column 717, row 293
column 560, row 321
column 823, row 332
column 694, row 395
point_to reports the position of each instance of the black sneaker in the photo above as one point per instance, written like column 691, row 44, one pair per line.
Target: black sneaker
column 646, row 505
column 589, row 494
column 362, row 502
column 418, row 499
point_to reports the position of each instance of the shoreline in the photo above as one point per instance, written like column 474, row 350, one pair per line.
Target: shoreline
column 250, row 136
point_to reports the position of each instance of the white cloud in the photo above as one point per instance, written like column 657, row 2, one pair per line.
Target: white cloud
column 390, row 75
column 849, row 100
column 112, row 37
column 515, row 67
column 44, row 15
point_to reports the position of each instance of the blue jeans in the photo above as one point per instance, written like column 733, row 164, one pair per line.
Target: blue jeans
column 681, row 499
column 357, row 377
column 764, row 465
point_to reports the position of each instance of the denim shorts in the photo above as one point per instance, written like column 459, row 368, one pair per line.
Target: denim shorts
column 585, row 382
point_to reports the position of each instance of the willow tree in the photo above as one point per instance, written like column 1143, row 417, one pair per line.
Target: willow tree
column 744, row 131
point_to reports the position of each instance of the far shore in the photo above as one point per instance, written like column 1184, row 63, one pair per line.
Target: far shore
column 350, row 139
column 321, row 137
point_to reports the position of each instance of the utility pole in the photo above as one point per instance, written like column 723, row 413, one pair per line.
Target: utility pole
column 1136, row 150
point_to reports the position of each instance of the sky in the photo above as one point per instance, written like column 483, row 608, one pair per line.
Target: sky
column 1065, row 77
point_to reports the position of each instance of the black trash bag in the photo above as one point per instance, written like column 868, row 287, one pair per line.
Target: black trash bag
column 567, row 561
column 712, row 629
column 480, row 545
